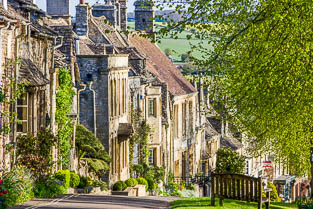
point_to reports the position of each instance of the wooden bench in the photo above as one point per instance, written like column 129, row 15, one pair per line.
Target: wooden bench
column 238, row 187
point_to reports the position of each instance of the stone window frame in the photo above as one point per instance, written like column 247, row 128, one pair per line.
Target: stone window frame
column 152, row 157
column 152, row 107
column 24, row 107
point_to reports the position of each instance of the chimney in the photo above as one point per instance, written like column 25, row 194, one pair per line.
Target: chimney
column 58, row 7
column 82, row 16
column 4, row 4
column 123, row 15
column 144, row 16
column 108, row 10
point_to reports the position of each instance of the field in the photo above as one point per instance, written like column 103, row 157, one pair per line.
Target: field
column 179, row 46
column 204, row 203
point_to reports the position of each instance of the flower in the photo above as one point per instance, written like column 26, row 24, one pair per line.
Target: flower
column 0, row 181
column 1, row 194
column 59, row 183
column 5, row 192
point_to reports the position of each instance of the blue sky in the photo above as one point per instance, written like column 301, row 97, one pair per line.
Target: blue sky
column 73, row 3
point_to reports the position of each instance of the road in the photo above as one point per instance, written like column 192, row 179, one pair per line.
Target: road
column 98, row 201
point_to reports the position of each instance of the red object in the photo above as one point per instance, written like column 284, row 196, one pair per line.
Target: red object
column 5, row 192
column 82, row 1
column 1, row 194
column 0, row 181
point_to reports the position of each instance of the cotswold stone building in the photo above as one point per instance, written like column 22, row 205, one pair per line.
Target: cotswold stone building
column 30, row 54
column 122, row 74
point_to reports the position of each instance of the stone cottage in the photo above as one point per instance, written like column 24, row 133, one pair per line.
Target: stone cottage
column 29, row 54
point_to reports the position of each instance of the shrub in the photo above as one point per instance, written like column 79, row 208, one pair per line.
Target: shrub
column 182, row 185
column 119, row 186
column 143, row 181
column 103, row 185
column 229, row 161
column 138, row 168
column 274, row 194
column 50, row 188
column 64, row 176
column 191, row 187
column 171, row 186
column 89, row 146
column 3, row 194
column 75, row 180
column 18, row 184
column 83, row 182
column 151, row 184
column 131, row 182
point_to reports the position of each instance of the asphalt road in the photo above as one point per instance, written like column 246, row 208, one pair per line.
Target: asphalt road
column 98, row 201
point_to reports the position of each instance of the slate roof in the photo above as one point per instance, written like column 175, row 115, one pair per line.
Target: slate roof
column 114, row 37
column 162, row 67
column 31, row 75
column 231, row 142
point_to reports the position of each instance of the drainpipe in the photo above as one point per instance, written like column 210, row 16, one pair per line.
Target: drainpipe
column 78, row 94
column 53, row 77
column 94, row 108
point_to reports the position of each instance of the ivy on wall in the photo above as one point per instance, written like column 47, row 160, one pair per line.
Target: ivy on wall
column 140, row 136
column 64, row 100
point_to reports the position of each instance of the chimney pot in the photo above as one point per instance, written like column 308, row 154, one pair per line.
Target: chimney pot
column 82, row 1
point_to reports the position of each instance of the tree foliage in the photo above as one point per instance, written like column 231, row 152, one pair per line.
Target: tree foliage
column 262, row 66
column 229, row 161
column 89, row 147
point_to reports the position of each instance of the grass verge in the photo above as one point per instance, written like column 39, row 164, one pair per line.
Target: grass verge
column 205, row 202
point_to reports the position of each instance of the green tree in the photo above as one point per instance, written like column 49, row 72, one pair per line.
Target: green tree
column 168, row 52
column 89, row 148
column 264, row 48
column 229, row 161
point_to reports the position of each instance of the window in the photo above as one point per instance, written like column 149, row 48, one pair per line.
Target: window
column 184, row 118
column 22, row 113
column 152, row 107
column 247, row 167
column 143, row 20
column 176, row 120
column 151, row 157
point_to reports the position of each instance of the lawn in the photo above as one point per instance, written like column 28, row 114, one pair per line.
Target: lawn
column 179, row 46
column 205, row 202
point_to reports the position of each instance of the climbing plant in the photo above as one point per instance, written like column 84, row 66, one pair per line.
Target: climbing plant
column 64, row 99
column 10, row 92
column 140, row 137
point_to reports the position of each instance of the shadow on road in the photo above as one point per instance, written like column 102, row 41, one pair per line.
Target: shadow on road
column 98, row 201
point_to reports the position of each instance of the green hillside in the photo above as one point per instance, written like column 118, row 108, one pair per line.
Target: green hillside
column 179, row 46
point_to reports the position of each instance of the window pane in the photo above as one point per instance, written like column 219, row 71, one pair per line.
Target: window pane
column 151, row 157
column 22, row 127
column 22, row 113
column 22, row 100
column 151, row 107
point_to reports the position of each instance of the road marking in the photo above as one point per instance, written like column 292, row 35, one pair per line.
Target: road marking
column 53, row 201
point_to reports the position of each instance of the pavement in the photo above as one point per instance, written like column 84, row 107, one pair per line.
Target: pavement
column 98, row 201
